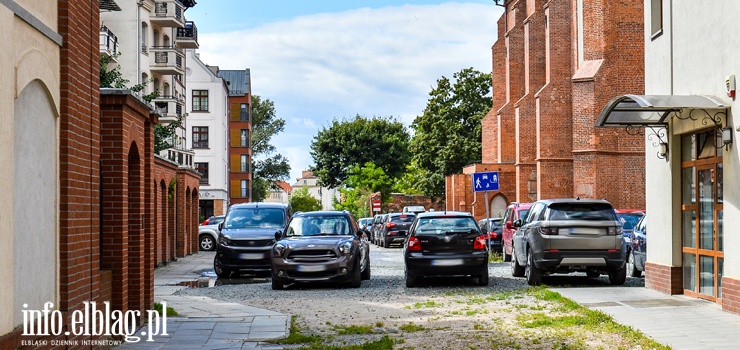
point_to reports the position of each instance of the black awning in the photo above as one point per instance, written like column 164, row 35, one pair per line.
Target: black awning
column 652, row 110
column 109, row 5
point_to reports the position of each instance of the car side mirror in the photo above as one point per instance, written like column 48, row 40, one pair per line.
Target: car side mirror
column 278, row 235
column 518, row 223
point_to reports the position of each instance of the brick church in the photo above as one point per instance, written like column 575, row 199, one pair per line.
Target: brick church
column 556, row 63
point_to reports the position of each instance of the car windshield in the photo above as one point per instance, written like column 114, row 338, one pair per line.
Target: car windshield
column 629, row 220
column 444, row 225
column 215, row 220
column 582, row 211
column 254, row 218
column 408, row 218
column 327, row 225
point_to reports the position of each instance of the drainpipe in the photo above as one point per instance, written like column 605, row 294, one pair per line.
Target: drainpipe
column 138, row 41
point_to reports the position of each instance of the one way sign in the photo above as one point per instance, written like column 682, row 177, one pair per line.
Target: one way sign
column 487, row 181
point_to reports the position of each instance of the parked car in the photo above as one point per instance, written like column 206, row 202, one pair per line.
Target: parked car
column 445, row 244
column 246, row 237
column 394, row 228
column 377, row 224
column 493, row 229
column 320, row 246
column 208, row 232
column 628, row 218
column 515, row 211
column 415, row 209
column 364, row 224
column 569, row 235
column 638, row 253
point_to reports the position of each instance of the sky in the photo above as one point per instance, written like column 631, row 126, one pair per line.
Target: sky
column 323, row 60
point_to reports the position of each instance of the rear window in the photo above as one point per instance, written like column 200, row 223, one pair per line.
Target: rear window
column 523, row 213
column 406, row 218
column 215, row 220
column 444, row 225
column 255, row 218
column 582, row 211
column 629, row 220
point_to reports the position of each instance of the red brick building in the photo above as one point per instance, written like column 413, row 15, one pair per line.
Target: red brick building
column 240, row 134
column 556, row 63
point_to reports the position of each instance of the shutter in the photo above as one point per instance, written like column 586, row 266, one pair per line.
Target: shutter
column 235, row 110
column 236, row 188
column 236, row 162
column 235, row 139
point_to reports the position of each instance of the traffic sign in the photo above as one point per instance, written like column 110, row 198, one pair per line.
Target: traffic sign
column 376, row 205
column 487, row 181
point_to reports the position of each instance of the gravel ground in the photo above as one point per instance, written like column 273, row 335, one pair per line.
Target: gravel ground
column 449, row 313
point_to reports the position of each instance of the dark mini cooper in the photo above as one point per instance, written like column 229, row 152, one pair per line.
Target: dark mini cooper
column 324, row 246
column 445, row 244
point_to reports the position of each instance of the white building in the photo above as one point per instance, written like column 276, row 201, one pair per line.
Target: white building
column 692, row 54
column 281, row 194
column 207, row 132
column 327, row 196
column 151, row 37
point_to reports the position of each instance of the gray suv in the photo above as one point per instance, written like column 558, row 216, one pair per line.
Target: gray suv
column 569, row 235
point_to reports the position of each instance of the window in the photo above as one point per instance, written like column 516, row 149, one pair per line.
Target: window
column 244, row 163
column 200, row 100
column 200, row 137
column 202, row 168
column 244, row 112
column 244, row 188
column 656, row 18
column 244, row 139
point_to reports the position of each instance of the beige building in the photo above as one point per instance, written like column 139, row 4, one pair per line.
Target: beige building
column 325, row 195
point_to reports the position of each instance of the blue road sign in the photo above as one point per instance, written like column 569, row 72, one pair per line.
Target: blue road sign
column 487, row 181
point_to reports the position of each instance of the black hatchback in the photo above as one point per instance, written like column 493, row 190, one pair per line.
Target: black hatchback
column 445, row 244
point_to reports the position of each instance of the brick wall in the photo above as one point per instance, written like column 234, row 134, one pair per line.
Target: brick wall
column 663, row 278
column 731, row 295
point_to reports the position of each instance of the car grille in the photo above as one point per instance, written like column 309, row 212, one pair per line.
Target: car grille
column 324, row 255
column 253, row 242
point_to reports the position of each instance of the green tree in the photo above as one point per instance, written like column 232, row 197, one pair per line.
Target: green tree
column 382, row 141
column 301, row 200
column 448, row 135
column 267, row 167
column 361, row 182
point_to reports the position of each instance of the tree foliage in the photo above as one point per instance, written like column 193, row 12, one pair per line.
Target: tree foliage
column 448, row 135
column 301, row 200
column 267, row 167
column 347, row 143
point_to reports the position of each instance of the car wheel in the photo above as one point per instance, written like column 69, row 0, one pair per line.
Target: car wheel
column 592, row 274
column 618, row 277
column 505, row 256
column 534, row 274
column 410, row 280
column 382, row 241
column 356, row 281
column 366, row 271
column 631, row 268
column 207, row 242
column 483, row 278
column 516, row 269
column 277, row 285
column 221, row 272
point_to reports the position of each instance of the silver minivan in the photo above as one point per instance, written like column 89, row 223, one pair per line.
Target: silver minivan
column 569, row 235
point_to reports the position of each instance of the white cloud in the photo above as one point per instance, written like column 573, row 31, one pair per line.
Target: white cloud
column 372, row 62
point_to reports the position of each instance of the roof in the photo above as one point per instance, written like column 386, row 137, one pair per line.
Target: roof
column 259, row 205
column 653, row 110
column 286, row 187
column 573, row 200
column 238, row 81
column 321, row 212
column 442, row 213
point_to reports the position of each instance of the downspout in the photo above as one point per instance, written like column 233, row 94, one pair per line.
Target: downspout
column 138, row 41
column 670, row 6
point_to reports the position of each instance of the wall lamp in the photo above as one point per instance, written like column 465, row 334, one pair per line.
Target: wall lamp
column 727, row 136
column 663, row 153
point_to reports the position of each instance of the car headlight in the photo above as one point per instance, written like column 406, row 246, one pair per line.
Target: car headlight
column 224, row 239
column 278, row 250
column 345, row 248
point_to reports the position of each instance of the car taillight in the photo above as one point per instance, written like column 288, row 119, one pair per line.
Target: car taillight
column 205, row 222
column 480, row 243
column 492, row 235
column 414, row 245
column 548, row 230
column 390, row 225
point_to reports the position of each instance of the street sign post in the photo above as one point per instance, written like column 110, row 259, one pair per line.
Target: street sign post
column 484, row 182
column 376, row 205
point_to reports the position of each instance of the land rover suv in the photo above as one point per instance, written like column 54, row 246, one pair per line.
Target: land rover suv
column 569, row 235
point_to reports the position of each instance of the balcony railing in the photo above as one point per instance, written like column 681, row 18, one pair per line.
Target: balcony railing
column 181, row 156
column 167, row 60
column 168, row 13
column 108, row 43
column 170, row 107
column 200, row 144
column 187, row 37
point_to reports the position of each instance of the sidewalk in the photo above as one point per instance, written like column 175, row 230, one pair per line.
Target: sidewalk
column 206, row 323
column 675, row 320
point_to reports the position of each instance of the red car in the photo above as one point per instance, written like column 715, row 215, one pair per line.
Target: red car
column 515, row 211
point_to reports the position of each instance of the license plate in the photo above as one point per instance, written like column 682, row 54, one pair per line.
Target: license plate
column 251, row 256
column 582, row 231
column 447, row 262
column 311, row 268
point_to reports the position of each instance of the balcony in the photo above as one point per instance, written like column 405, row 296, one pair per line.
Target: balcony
column 168, row 13
column 108, row 43
column 170, row 107
column 187, row 37
column 166, row 60
column 181, row 156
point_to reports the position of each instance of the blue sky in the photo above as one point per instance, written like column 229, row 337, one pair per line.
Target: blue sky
column 333, row 59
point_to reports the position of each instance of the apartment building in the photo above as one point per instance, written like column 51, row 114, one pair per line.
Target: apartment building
column 556, row 63
column 240, row 134
column 150, row 37
column 207, row 132
column 326, row 195
column 280, row 193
